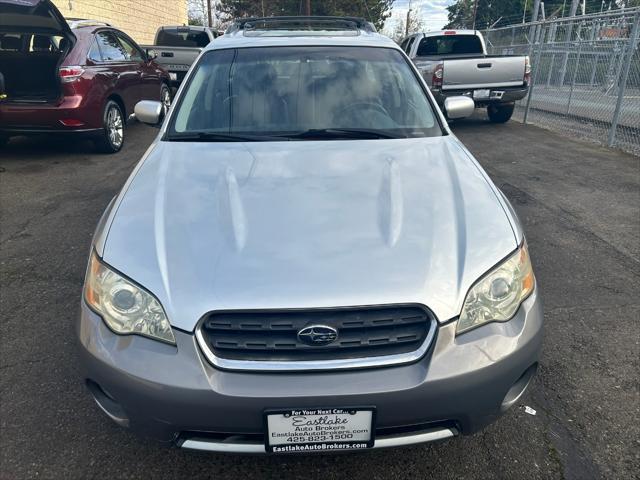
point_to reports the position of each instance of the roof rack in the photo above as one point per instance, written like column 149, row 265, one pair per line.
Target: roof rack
column 309, row 23
column 83, row 22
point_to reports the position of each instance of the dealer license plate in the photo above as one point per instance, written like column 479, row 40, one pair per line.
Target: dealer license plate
column 314, row 430
column 484, row 93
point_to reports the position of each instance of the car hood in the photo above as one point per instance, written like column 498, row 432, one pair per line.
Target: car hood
column 218, row 226
column 33, row 16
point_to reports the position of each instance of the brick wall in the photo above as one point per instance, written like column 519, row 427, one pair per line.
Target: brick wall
column 138, row 18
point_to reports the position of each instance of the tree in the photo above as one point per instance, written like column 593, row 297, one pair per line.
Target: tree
column 509, row 12
column 197, row 12
column 376, row 11
column 505, row 12
column 400, row 29
column 198, row 15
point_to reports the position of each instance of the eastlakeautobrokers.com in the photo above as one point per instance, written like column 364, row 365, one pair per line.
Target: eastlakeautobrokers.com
column 318, row 446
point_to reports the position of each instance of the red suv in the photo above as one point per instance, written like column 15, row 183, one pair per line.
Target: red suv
column 70, row 76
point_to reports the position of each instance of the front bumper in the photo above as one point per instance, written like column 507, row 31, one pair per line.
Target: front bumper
column 174, row 395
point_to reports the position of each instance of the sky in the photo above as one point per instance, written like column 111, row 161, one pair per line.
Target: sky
column 433, row 13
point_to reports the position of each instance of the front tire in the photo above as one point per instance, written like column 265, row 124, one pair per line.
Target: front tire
column 165, row 99
column 500, row 113
column 111, row 138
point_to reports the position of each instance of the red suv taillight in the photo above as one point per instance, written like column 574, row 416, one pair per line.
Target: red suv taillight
column 438, row 73
column 527, row 70
column 70, row 74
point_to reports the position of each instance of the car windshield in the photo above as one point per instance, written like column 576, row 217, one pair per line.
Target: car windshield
column 270, row 93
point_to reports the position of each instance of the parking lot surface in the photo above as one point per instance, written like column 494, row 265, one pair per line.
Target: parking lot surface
column 579, row 204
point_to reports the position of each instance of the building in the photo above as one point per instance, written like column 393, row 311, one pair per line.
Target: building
column 138, row 18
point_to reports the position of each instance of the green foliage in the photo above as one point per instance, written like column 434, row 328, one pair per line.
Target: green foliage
column 194, row 20
column 509, row 12
column 377, row 11
column 488, row 12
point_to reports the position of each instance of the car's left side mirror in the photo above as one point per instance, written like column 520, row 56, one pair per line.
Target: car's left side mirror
column 149, row 112
column 459, row 107
column 151, row 54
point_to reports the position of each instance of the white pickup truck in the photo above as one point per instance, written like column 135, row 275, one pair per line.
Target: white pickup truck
column 455, row 62
column 176, row 48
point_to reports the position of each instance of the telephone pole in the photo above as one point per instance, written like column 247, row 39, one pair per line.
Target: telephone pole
column 406, row 25
column 535, row 11
column 475, row 12
column 209, row 13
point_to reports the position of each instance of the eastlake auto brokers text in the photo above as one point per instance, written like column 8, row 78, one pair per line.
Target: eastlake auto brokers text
column 327, row 423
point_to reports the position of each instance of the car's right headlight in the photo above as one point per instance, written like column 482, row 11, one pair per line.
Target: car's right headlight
column 497, row 296
column 126, row 308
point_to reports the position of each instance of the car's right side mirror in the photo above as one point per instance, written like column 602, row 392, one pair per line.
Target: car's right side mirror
column 148, row 111
column 459, row 107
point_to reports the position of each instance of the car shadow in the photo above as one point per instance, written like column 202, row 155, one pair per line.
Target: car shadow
column 22, row 147
column 67, row 149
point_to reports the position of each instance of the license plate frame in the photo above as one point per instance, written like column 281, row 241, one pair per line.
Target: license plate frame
column 328, row 439
column 481, row 94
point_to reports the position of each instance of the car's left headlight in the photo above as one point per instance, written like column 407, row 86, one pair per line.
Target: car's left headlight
column 497, row 296
column 126, row 308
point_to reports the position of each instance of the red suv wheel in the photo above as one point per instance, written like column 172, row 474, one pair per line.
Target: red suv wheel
column 112, row 136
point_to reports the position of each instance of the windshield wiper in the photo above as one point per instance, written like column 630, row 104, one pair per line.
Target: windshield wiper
column 218, row 137
column 338, row 133
column 312, row 134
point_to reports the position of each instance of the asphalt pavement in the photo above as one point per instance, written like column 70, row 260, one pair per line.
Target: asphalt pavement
column 580, row 206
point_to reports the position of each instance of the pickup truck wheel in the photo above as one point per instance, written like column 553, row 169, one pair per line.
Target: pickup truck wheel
column 500, row 113
column 111, row 138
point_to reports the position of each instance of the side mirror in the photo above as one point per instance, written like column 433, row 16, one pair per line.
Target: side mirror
column 151, row 54
column 459, row 107
column 148, row 111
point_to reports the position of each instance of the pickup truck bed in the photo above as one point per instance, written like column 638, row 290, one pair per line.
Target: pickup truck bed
column 176, row 60
column 487, row 71
column 488, row 79
column 177, row 47
column 455, row 63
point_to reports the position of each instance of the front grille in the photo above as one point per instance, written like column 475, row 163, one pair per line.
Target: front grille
column 273, row 335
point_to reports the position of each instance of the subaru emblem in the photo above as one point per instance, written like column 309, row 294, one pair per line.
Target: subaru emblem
column 317, row 335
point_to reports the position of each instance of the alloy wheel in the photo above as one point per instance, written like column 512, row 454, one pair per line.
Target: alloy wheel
column 165, row 98
column 115, row 127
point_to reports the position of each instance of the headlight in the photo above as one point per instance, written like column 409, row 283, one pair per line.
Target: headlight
column 126, row 308
column 497, row 296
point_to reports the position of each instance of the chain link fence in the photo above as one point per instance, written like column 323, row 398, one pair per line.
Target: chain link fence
column 585, row 75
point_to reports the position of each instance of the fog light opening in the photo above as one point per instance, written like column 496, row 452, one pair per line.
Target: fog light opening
column 518, row 388
column 107, row 404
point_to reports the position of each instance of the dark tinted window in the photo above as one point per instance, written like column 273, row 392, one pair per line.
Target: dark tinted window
column 110, row 47
column 133, row 52
column 281, row 90
column 449, row 45
column 94, row 52
column 182, row 38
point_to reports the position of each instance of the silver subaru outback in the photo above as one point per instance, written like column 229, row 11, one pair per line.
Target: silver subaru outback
column 306, row 258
